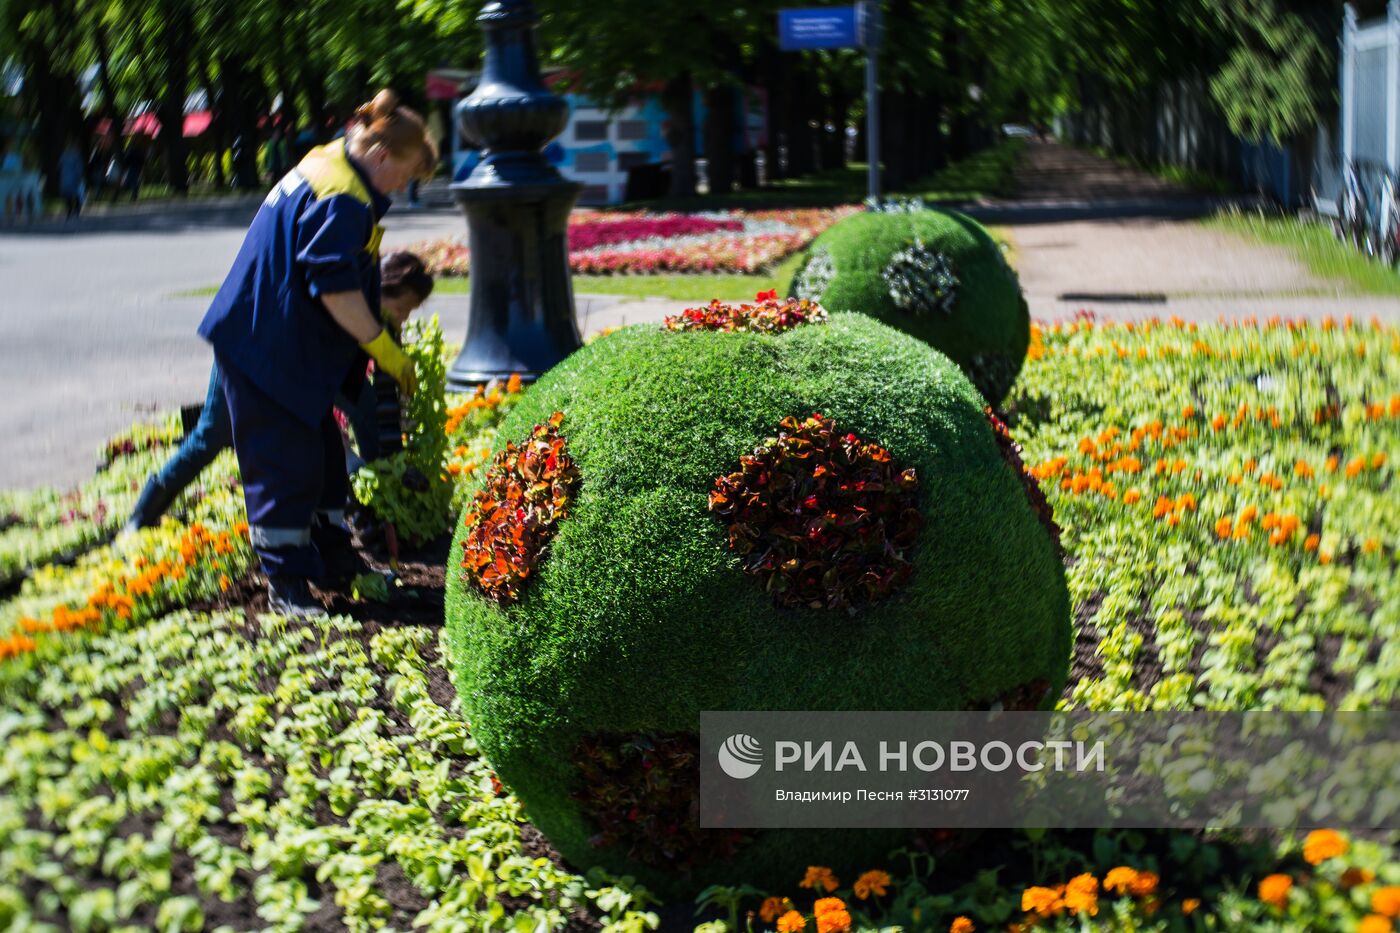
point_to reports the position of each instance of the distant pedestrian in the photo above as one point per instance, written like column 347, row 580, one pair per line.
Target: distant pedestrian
column 135, row 162
column 70, row 179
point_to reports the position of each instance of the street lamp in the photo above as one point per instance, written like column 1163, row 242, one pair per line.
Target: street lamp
column 521, row 316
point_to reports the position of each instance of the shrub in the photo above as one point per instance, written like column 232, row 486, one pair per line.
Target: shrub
column 937, row 275
column 908, row 570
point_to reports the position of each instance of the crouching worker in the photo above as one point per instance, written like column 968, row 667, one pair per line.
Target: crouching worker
column 287, row 326
column 373, row 413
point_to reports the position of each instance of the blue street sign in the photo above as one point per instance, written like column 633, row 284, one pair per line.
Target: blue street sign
column 831, row 27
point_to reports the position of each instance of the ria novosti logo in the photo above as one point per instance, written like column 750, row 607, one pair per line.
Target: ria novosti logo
column 740, row 756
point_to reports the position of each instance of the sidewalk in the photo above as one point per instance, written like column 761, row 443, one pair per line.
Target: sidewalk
column 1093, row 234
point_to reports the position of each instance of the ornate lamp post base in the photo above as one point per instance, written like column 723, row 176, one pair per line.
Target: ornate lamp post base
column 521, row 316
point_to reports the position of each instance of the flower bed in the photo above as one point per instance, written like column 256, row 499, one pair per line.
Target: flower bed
column 614, row 243
column 1226, row 495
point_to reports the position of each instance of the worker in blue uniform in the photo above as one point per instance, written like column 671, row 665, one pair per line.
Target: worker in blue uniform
column 289, row 328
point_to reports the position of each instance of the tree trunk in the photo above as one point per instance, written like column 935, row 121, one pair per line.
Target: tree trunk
column 676, row 99
column 719, row 138
column 216, row 122
column 240, row 108
column 175, row 36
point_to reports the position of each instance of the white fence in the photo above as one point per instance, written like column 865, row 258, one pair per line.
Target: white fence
column 1368, row 131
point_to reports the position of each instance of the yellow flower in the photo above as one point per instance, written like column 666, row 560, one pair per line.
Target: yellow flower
column 791, row 922
column 819, row 877
column 1082, row 895
column 1374, row 923
column 1386, row 901
column 872, row 883
column 1322, row 844
column 1042, row 900
column 1119, row 879
column 1274, row 889
column 961, row 925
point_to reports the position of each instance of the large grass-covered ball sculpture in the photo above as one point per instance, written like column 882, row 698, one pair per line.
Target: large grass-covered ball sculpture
column 937, row 275
column 752, row 507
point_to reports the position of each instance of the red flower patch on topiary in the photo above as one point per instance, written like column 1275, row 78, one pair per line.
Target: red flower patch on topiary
column 826, row 519
column 528, row 490
column 643, row 792
column 769, row 316
column 1011, row 453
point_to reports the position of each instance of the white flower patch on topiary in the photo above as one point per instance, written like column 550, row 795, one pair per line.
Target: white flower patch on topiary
column 815, row 276
column 921, row 281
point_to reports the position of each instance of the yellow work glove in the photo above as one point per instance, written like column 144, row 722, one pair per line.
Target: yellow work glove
column 390, row 358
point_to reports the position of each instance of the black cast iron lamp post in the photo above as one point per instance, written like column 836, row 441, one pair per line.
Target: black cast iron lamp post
column 521, row 317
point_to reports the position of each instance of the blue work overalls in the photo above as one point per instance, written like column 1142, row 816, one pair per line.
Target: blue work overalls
column 282, row 355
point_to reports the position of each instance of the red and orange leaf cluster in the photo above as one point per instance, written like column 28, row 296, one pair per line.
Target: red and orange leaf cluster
column 826, row 519
column 769, row 316
column 642, row 792
column 528, row 490
column 1011, row 453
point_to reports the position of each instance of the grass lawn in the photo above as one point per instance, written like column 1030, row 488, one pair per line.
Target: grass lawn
column 982, row 174
column 1315, row 246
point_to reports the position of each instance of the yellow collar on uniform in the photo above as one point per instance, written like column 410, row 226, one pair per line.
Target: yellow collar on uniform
column 328, row 171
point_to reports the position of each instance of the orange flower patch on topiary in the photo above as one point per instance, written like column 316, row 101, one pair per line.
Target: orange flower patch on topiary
column 527, row 491
column 642, row 791
column 1011, row 453
column 769, row 316
column 826, row 519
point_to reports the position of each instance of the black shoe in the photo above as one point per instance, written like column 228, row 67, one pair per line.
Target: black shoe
column 343, row 562
column 153, row 502
column 291, row 597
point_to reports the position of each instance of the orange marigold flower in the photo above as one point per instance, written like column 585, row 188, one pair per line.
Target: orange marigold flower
column 1322, row 844
column 1274, row 889
column 833, row 921
column 224, row 583
column 1223, row 528
column 1302, row 469
column 1217, row 423
column 1187, row 501
column 1131, row 496
column 1386, row 901
column 791, row 922
column 1371, row 545
column 1355, row 467
column 828, row 904
column 1119, row 879
column 1082, row 895
column 1377, row 461
column 961, row 924
column 1043, row 901
column 872, row 883
column 1332, row 463
column 1249, row 513
column 1311, row 542
column 16, row 645
column 772, row 907
column 1143, row 884
column 1375, row 923
column 1189, row 905
column 1354, row 876
column 1189, row 411
column 819, row 877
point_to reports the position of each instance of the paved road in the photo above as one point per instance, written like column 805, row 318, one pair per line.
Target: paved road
column 96, row 333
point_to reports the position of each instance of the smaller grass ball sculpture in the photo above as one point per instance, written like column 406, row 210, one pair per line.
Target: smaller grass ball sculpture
column 937, row 275
column 750, row 507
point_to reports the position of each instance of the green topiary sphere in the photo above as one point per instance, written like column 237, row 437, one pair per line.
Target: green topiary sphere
column 619, row 583
column 937, row 275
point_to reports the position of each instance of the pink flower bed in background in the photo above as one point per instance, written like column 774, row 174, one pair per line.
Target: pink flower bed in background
column 617, row 243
